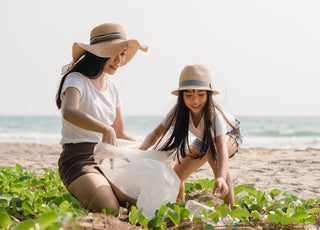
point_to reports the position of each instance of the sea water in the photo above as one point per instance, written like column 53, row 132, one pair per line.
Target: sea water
column 258, row 131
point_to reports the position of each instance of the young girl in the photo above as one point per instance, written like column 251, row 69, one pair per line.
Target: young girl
column 91, row 112
column 217, row 132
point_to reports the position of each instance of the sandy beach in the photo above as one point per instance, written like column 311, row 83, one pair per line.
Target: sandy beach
column 266, row 169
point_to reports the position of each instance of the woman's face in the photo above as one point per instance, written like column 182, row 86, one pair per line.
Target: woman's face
column 195, row 100
column 115, row 62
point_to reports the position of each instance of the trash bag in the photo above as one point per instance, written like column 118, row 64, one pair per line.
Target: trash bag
column 144, row 175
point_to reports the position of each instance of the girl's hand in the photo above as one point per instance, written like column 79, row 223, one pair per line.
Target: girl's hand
column 220, row 186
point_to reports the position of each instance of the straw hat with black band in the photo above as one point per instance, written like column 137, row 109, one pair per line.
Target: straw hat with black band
column 106, row 40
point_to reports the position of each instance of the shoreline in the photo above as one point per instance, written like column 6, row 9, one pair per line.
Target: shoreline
column 292, row 170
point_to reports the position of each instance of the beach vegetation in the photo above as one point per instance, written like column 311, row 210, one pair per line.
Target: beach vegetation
column 28, row 201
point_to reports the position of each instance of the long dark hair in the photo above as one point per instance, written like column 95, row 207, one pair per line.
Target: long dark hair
column 90, row 65
column 178, row 140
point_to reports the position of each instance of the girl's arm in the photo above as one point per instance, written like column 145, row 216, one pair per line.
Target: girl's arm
column 119, row 127
column 152, row 137
column 74, row 115
column 221, row 166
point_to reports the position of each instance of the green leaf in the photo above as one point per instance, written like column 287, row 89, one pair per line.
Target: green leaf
column 314, row 211
column 238, row 189
column 144, row 222
column 26, row 225
column 18, row 168
column 211, row 183
column 184, row 213
column 163, row 210
column 288, row 220
column 251, row 190
column 174, row 216
column 309, row 220
column 287, row 200
column 5, row 220
column 64, row 205
column 106, row 210
column 214, row 217
column 287, row 193
column 310, row 201
column 275, row 192
column 198, row 186
column 133, row 215
column 223, row 211
column 16, row 201
column 256, row 207
column 47, row 218
column 210, row 204
column 28, row 209
column 188, row 187
column 256, row 215
column 280, row 213
column 274, row 218
column 300, row 215
column 155, row 223
column 43, row 209
column 239, row 213
column 209, row 227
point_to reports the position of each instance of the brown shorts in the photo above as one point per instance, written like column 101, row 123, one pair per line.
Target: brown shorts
column 77, row 160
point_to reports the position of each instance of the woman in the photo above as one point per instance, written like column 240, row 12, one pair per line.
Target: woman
column 90, row 108
column 217, row 132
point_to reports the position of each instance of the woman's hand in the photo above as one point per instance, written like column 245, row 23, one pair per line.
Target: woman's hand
column 220, row 186
column 109, row 136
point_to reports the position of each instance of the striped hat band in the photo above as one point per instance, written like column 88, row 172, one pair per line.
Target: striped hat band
column 195, row 83
column 107, row 37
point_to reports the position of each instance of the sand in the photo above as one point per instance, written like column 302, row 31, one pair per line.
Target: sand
column 285, row 169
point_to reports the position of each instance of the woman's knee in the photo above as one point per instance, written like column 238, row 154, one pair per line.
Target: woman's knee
column 94, row 192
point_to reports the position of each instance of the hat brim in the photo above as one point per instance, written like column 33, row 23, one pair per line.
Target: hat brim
column 176, row 92
column 108, row 49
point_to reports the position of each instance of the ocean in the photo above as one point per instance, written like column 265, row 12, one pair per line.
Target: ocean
column 258, row 131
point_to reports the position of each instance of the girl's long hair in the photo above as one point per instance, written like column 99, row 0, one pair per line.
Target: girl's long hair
column 89, row 65
column 178, row 142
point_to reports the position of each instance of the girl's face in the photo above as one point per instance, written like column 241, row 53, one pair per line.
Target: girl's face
column 115, row 62
column 195, row 100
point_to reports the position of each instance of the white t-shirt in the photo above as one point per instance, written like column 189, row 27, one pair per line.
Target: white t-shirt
column 100, row 105
column 220, row 126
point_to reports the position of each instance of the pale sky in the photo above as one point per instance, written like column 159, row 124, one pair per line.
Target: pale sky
column 264, row 55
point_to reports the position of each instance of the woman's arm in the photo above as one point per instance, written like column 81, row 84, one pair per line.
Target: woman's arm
column 152, row 137
column 119, row 127
column 74, row 115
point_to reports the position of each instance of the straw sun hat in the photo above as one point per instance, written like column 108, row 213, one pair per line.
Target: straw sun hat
column 106, row 40
column 195, row 77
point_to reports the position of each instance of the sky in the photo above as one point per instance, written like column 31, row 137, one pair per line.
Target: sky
column 264, row 55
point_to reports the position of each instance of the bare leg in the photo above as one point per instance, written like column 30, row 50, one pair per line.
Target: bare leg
column 189, row 165
column 94, row 192
column 184, row 170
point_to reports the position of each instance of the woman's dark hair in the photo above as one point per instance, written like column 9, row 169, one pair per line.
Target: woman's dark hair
column 178, row 141
column 90, row 65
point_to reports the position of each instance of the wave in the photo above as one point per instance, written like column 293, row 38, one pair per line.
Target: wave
column 281, row 142
column 30, row 137
column 280, row 133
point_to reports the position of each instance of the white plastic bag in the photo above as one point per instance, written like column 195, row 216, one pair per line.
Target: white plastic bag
column 145, row 175
column 196, row 211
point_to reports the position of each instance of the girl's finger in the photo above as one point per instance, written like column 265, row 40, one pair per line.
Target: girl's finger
column 224, row 191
